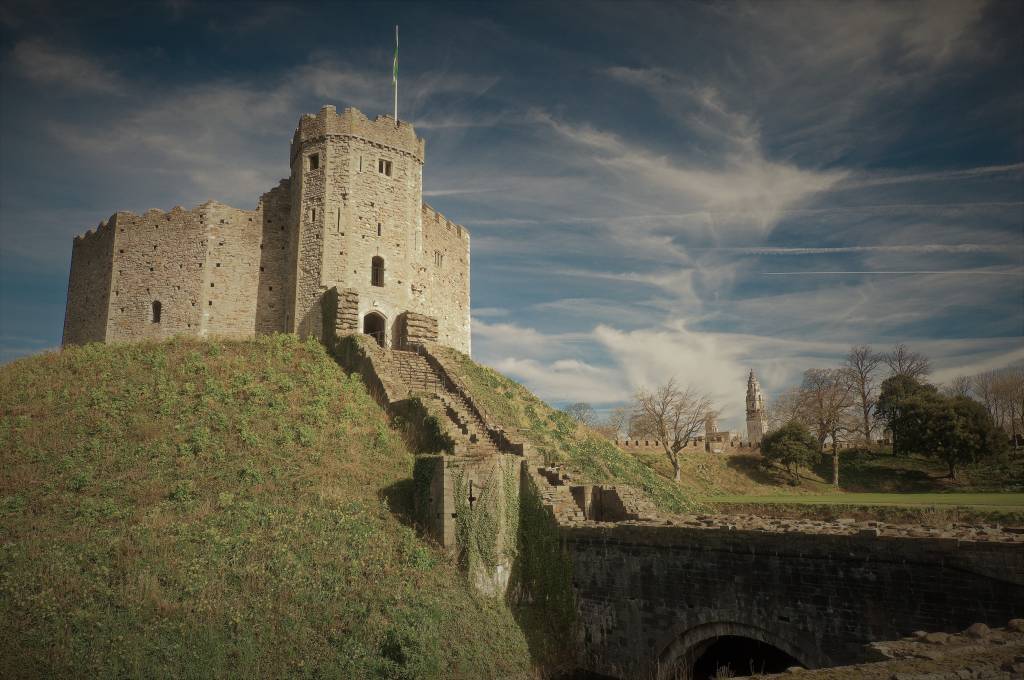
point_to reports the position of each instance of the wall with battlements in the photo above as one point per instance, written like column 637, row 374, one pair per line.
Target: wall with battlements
column 440, row 283
column 718, row 442
column 89, row 285
column 354, row 197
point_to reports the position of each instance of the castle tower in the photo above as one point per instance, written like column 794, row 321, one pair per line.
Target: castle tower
column 710, row 424
column 757, row 421
column 358, row 224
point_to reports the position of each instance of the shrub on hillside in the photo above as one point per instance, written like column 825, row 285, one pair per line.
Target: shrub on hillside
column 792, row 446
column 956, row 430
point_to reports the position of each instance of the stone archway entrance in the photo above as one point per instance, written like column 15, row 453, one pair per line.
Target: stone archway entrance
column 375, row 325
column 718, row 649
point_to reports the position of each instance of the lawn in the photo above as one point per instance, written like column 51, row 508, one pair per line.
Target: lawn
column 221, row 509
column 1005, row 501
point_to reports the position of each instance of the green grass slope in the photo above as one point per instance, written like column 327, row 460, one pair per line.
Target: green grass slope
column 185, row 509
column 561, row 440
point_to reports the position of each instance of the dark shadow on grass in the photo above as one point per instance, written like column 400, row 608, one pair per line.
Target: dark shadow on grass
column 399, row 499
column 757, row 470
column 859, row 472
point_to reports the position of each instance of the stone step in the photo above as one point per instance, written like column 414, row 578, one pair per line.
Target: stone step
column 417, row 373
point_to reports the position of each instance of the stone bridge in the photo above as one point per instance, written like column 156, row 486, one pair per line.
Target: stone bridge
column 656, row 598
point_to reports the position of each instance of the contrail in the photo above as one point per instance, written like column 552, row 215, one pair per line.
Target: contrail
column 827, row 250
column 964, row 272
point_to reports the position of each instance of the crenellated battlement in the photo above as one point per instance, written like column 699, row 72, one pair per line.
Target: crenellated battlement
column 128, row 219
column 434, row 217
column 104, row 227
column 351, row 122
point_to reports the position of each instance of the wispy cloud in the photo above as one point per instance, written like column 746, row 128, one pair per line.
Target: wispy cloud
column 942, row 176
column 567, row 380
column 45, row 63
column 917, row 272
column 737, row 191
column 957, row 248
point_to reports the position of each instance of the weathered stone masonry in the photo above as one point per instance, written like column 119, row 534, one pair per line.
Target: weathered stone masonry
column 350, row 216
column 652, row 594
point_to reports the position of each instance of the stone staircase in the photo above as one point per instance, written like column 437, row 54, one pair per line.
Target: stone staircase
column 415, row 372
column 420, row 377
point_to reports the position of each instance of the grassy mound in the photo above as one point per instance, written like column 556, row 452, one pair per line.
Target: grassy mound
column 561, row 440
column 192, row 509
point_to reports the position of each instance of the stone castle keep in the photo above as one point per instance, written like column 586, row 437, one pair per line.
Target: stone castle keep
column 351, row 217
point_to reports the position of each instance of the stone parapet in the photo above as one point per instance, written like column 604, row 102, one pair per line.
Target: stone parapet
column 382, row 130
column 417, row 329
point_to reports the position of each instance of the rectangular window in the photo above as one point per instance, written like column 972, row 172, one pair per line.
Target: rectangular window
column 438, row 258
column 384, row 167
column 378, row 228
column 314, row 161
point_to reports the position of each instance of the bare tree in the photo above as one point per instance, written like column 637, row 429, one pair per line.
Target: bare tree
column 581, row 412
column 902, row 361
column 785, row 408
column 826, row 400
column 615, row 423
column 674, row 415
column 641, row 427
column 862, row 364
column 959, row 386
column 1008, row 393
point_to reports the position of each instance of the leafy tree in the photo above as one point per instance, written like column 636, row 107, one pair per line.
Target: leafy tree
column 889, row 408
column 674, row 415
column 957, row 430
column 792, row 446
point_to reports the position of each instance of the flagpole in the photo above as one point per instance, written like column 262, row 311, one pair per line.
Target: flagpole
column 395, row 74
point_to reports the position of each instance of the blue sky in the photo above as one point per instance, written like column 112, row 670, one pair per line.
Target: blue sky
column 689, row 189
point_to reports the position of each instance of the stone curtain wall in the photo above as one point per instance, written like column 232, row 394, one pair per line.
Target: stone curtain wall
column 441, row 286
column 215, row 270
column 647, row 592
column 233, row 240
column 696, row 445
column 276, row 272
column 158, row 256
column 85, row 319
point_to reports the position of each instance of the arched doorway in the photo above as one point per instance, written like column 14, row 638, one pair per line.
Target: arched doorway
column 375, row 325
column 730, row 656
column 728, row 649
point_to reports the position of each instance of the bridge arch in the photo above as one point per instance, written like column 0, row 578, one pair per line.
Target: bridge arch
column 686, row 647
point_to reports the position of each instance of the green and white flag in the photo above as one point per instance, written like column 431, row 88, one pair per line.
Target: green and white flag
column 394, row 74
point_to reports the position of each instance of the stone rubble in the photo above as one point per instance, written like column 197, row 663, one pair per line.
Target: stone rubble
column 976, row 653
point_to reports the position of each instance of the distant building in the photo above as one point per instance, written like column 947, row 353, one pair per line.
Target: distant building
column 757, row 419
